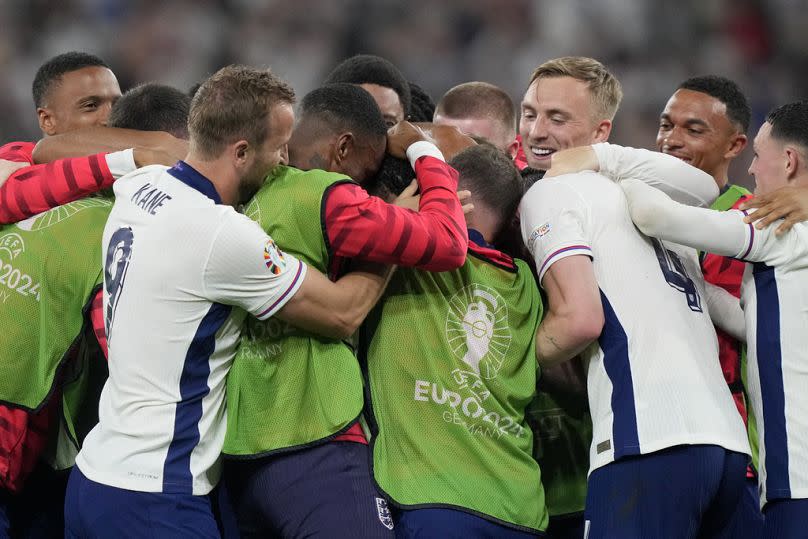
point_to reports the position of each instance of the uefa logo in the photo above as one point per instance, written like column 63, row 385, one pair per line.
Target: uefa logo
column 477, row 329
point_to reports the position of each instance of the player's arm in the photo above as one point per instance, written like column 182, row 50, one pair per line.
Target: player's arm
column 725, row 311
column 336, row 309
column 7, row 168
column 575, row 313
column 722, row 233
column 150, row 147
column 789, row 203
column 365, row 227
column 36, row 188
column 680, row 181
column 554, row 220
column 97, row 320
column 246, row 268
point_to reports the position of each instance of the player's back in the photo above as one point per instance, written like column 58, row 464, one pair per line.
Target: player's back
column 654, row 379
column 169, row 346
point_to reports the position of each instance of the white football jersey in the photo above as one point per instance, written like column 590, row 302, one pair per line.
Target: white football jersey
column 774, row 294
column 179, row 267
column 654, row 380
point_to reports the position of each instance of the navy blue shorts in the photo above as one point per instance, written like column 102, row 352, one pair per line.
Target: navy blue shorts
column 786, row 519
column 452, row 524
column 320, row 491
column 678, row 493
column 566, row 526
column 5, row 524
column 95, row 510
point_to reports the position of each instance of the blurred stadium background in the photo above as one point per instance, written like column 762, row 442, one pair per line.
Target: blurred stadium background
column 651, row 46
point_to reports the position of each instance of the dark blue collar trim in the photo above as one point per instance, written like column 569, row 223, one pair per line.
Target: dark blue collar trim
column 193, row 179
column 476, row 237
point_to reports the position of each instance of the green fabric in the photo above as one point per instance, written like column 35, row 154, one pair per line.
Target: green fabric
column 288, row 388
column 563, row 431
column 725, row 202
column 729, row 197
column 452, row 367
column 51, row 267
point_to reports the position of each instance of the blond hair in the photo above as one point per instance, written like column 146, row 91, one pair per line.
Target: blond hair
column 604, row 87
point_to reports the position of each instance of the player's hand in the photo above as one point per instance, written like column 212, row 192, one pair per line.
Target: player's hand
column 401, row 136
column 410, row 200
column 789, row 203
column 573, row 160
column 170, row 150
column 7, row 168
column 449, row 139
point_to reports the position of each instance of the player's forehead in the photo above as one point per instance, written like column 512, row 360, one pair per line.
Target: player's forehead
column 91, row 81
column 763, row 136
column 563, row 93
column 479, row 126
column 689, row 105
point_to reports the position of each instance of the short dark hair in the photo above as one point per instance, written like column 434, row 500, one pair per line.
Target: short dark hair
column 344, row 107
column 726, row 91
column 790, row 123
column 371, row 69
column 479, row 99
column 492, row 178
column 233, row 104
column 51, row 71
column 393, row 176
column 152, row 107
column 422, row 108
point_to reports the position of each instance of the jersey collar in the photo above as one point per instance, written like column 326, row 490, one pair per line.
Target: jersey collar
column 193, row 179
column 477, row 237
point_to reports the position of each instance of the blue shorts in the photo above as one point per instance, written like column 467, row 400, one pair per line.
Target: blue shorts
column 678, row 493
column 5, row 524
column 95, row 510
column 786, row 519
column 452, row 524
column 566, row 526
column 320, row 491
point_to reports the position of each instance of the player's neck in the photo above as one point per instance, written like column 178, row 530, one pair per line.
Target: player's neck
column 220, row 173
column 721, row 176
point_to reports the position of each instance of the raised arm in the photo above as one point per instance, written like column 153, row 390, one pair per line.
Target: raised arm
column 151, row 147
column 655, row 214
column 723, row 233
column 434, row 238
column 682, row 182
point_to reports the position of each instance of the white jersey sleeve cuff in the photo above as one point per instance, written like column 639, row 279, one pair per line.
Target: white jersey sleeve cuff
column 121, row 163
column 559, row 254
column 420, row 149
column 278, row 303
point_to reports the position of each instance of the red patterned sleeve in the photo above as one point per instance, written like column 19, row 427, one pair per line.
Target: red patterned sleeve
column 435, row 238
column 37, row 188
column 97, row 319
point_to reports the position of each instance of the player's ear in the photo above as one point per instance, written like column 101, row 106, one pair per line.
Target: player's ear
column 602, row 131
column 737, row 144
column 47, row 121
column 513, row 147
column 793, row 162
column 241, row 150
column 343, row 146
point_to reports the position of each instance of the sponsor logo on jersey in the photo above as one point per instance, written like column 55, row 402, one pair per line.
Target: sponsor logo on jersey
column 539, row 232
column 384, row 513
column 273, row 258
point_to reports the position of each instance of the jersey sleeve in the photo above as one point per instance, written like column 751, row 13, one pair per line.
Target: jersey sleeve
column 245, row 268
column 682, row 182
column 554, row 220
column 655, row 214
column 434, row 238
column 19, row 152
column 37, row 188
